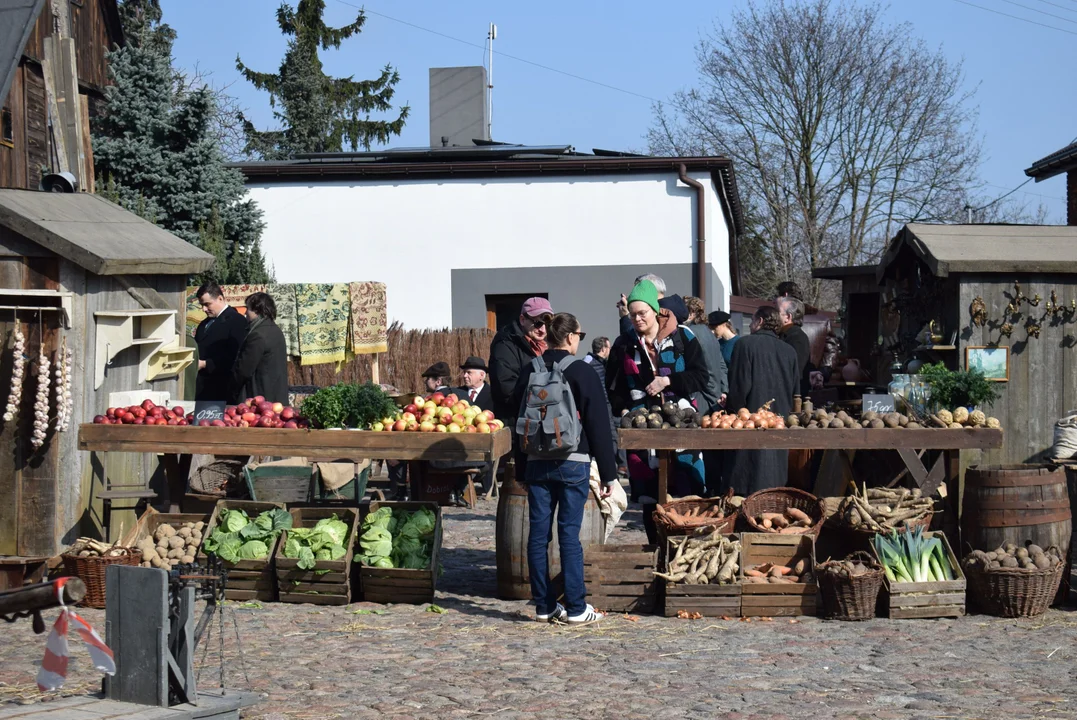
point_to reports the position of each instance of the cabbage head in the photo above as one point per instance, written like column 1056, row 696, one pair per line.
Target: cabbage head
column 233, row 520
column 379, row 518
column 421, row 523
column 376, row 542
column 228, row 548
column 334, row 528
column 383, row 562
column 253, row 550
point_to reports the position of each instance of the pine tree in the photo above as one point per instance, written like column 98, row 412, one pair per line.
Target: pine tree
column 319, row 113
column 156, row 155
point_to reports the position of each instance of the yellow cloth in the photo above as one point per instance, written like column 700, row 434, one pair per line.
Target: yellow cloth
column 369, row 318
column 323, row 313
column 287, row 315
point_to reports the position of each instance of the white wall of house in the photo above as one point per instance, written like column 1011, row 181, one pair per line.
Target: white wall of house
column 412, row 234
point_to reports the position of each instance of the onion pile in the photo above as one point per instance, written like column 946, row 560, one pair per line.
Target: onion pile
column 744, row 419
column 18, row 374
column 64, row 403
column 41, row 402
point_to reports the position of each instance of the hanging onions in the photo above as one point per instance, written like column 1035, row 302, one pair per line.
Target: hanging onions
column 63, row 387
column 41, row 403
column 18, row 374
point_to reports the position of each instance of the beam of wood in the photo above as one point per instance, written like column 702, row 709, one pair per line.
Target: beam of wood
column 914, row 465
column 69, row 102
column 935, row 477
column 375, row 370
column 40, row 597
column 818, row 439
column 49, row 65
column 87, row 144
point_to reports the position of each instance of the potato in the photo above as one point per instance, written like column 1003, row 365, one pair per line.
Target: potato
column 184, row 532
column 196, row 537
column 175, row 542
column 175, row 554
column 1021, row 553
column 1009, row 562
column 199, row 526
column 85, row 553
column 994, row 565
column 187, row 559
column 1041, row 561
column 1034, row 549
column 1010, row 548
column 835, row 423
column 877, row 424
column 913, row 425
column 166, row 531
column 146, row 563
column 157, row 562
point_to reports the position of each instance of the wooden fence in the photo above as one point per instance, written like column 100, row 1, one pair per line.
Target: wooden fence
column 410, row 352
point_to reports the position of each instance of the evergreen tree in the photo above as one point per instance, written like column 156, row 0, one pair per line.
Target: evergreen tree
column 156, row 155
column 319, row 113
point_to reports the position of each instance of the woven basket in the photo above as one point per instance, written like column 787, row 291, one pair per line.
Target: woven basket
column 215, row 475
column 780, row 499
column 851, row 598
column 1013, row 592
column 693, row 525
column 91, row 570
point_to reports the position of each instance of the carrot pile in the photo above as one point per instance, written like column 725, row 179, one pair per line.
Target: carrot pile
column 791, row 521
column 799, row 571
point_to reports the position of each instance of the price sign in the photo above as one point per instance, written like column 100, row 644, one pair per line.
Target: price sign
column 209, row 410
column 879, row 403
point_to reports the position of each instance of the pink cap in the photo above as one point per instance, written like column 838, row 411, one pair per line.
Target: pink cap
column 533, row 307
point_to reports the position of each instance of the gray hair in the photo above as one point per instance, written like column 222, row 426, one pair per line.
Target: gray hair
column 792, row 307
column 659, row 283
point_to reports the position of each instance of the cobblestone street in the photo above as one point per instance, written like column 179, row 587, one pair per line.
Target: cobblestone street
column 482, row 658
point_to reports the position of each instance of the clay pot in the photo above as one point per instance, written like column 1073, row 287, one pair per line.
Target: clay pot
column 852, row 372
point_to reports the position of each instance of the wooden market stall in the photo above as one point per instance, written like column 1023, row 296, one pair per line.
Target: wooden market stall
column 79, row 272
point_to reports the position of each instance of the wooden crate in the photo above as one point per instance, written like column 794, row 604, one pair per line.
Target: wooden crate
column 247, row 579
column 926, row 600
column 151, row 520
column 620, row 578
column 397, row 585
column 707, row 600
column 308, row 586
column 771, row 600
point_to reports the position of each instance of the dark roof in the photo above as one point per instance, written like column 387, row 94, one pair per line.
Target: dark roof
column 837, row 273
column 98, row 235
column 17, row 18
column 489, row 160
column 949, row 249
column 1056, row 163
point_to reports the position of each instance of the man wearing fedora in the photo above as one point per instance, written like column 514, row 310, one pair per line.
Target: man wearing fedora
column 437, row 377
column 475, row 390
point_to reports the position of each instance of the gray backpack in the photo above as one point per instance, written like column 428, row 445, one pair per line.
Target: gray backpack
column 548, row 425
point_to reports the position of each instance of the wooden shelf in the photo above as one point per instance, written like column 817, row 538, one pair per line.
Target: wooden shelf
column 936, row 348
column 149, row 330
column 810, row 438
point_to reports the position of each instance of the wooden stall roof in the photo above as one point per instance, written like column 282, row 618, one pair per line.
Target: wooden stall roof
column 841, row 272
column 98, row 235
column 987, row 248
column 17, row 18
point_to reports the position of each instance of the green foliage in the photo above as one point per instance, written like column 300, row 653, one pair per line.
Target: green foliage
column 348, row 405
column 951, row 389
column 325, row 541
column 157, row 155
column 319, row 113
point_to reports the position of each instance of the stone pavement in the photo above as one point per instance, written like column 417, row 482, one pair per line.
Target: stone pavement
column 483, row 658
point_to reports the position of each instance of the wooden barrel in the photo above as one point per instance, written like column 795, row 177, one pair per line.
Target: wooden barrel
column 512, row 529
column 1017, row 503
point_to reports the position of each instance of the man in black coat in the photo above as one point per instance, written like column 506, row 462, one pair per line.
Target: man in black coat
column 791, row 312
column 514, row 346
column 261, row 367
column 763, row 369
column 475, row 390
column 218, row 338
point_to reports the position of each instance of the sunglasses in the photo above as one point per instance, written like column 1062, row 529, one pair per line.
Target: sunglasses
column 582, row 335
column 535, row 323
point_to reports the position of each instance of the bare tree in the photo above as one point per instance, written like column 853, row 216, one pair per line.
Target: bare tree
column 226, row 126
column 843, row 127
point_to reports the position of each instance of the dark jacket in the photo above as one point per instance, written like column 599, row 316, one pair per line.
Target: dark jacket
column 484, row 399
column 599, row 364
column 795, row 337
column 764, row 368
column 596, row 439
column 261, row 367
column 218, row 339
column 509, row 352
column 712, row 353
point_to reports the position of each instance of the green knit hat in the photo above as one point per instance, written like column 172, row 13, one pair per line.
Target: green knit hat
column 646, row 292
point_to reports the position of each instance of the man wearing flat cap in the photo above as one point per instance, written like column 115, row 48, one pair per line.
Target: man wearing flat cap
column 437, row 377
column 475, row 390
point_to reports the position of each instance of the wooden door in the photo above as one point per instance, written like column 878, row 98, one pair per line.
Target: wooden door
column 503, row 309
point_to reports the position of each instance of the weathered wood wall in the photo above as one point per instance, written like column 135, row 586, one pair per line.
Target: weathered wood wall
column 1043, row 372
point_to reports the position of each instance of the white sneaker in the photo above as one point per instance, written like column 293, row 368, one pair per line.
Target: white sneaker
column 589, row 615
column 558, row 615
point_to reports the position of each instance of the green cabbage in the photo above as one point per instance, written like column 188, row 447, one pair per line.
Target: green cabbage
column 378, row 518
column 335, row 528
column 397, row 538
column 228, row 549
column 237, row 537
column 383, row 562
column 253, row 550
column 376, row 542
column 233, row 520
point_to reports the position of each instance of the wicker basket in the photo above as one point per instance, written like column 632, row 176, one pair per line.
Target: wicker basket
column 1013, row 592
column 694, row 525
column 216, row 475
column 91, row 570
column 851, row 598
column 780, row 499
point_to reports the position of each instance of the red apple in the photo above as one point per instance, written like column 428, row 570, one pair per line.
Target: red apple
column 400, row 426
column 249, row 417
column 291, row 424
column 483, row 428
column 111, row 412
column 489, row 415
column 128, row 418
column 471, row 429
column 426, row 426
column 139, row 421
column 203, row 423
column 437, row 397
column 408, row 417
column 278, row 407
column 259, row 399
column 288, row 414
column 183, row 422
column 243, row 423
column 178, row 409
column 450, row 400
column 412, row 408
column 172, row 421
column 139, row 412
column 100, row 420
column 147, row 405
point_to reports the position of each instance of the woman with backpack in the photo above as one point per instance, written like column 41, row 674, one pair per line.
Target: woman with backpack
column 563, row 423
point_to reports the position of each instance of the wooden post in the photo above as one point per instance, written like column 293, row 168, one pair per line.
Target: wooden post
column 136, row 630
column 663, row 475
column 375, row 371
column 49, row 65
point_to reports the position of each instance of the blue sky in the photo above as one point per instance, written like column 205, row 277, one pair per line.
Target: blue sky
column 1024, row 72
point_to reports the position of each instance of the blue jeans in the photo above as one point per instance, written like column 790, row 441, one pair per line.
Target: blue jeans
column 551, row 483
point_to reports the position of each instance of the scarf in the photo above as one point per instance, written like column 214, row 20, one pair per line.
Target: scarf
column 537, row 346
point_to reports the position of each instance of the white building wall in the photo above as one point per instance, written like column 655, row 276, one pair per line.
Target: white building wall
column 412, row 234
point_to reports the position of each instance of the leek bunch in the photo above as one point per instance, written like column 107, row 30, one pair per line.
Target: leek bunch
column 909, row 557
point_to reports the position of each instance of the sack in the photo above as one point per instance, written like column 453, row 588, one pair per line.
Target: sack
column 1065, row 436
column 548, row 425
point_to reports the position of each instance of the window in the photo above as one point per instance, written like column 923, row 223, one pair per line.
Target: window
column 503, row 309
column 7, row 128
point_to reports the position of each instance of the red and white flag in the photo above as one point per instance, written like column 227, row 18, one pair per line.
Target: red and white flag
column 53, row 670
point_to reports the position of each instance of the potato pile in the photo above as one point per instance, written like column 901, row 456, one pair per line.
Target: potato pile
column 884, row 509
column 667, row 415
column 841, row 419
column 1031, row 557
column 798, row 571
column 704, row 560
column 88, row 547
column 790, row 521
column 850, row 567
column 171, row 546
column 959, row 418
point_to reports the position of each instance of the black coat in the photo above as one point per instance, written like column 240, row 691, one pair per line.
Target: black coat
column 795, row 337
column 509, row 352
column 261, row 367
column 484, row 399
column 712, row 353
column 764, row 368
column 218, row 339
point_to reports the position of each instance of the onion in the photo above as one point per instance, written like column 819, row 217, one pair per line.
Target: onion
column 743, row 414
column 749, row 425
column 737, row 424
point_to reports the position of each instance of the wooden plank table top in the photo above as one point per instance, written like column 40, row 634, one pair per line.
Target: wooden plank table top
column 809, row 439
column 280, row 442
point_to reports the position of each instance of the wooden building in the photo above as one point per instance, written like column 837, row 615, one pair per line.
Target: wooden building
column 84, row 270
column 53, row 73
column 962, row 278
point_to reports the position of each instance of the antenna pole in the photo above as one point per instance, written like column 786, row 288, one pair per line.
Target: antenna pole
column 492, row 35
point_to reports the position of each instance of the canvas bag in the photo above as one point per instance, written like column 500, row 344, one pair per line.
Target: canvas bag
column 549, row 425
column 1066, row 436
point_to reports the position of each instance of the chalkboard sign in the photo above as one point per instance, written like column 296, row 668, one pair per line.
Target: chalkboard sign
column 879, row 403
column 209, row 410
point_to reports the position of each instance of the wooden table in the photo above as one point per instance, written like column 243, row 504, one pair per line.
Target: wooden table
column 909, row 444
column 173, row 443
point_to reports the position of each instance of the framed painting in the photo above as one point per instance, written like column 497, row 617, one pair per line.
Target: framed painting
column 993, row 362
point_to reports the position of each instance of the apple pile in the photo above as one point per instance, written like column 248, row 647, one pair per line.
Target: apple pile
column 440, row 413
column 254, row 412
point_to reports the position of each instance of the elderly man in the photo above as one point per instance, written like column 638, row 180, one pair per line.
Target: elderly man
column 475, row 390
column 436, row 377
column 791, row 312
column 219, row 338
